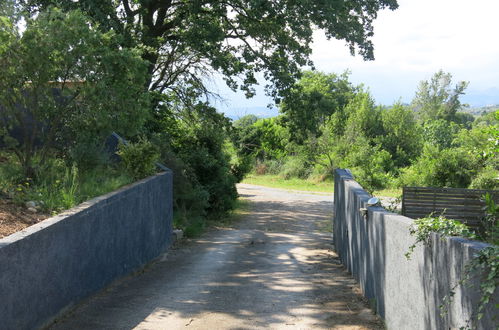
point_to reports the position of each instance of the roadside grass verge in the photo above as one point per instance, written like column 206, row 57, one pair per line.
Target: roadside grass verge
column 275, row 181
column 198, row 224
column 242, row 207
column 389, row 192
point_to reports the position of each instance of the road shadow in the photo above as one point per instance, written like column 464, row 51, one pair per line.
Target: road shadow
column 273, row 268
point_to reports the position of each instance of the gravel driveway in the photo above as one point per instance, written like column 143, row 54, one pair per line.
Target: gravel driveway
column 273, row 269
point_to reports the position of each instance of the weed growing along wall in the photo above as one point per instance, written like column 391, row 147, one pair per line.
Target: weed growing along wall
column 54, row 264
column 405, row 293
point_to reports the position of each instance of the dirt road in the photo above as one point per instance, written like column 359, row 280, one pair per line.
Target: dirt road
column 273, row 269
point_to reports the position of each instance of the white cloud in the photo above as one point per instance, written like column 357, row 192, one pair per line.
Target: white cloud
column 418, row 39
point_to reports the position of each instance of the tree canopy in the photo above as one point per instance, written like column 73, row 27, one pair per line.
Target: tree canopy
column 313, row 99
column 436, row 99
column 182, row 40
column 62, row 79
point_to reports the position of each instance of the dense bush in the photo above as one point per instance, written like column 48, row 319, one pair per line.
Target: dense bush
column 194, row 143
column 487, row 178
column 138, row 158
column 440, row 168
column 401, row 135
column 63, row 83
column 262, row 139
column 440, row 133
column 190, row 199
column 371, row 165
column 295, row 167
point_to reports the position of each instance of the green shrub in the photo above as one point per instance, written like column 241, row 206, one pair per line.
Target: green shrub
column 487, row 178
column 194, row 225
column 194, row 145
column 190, row 198
column 88, row 155
column 240, row 166
column 440, row 133
column 274, row 166
column 489, row 226
column 11, row 174
column 59, row 194
column 321, row 173
column 440, row 168
column 138, row 159
column 210, row 168
column 371, row 165
column 295, row 167
column 371, row 179
column 271, row 166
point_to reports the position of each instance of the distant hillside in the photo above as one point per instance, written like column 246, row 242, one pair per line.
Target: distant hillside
column 477, row 111
column 260, row 112
column 481, row 98
column 477, row 100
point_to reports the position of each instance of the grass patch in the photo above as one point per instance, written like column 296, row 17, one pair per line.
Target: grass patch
column 198, row 224
column 242, row 207
column 195, row 227
column 389, row 192
column 58, row 186
column 99, row 182
column 275, row 181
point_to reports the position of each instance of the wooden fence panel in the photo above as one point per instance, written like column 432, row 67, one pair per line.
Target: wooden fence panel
column 465, row 205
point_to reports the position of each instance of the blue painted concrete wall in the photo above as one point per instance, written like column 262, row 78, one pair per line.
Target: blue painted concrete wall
column 405, row 293
column 54, row 264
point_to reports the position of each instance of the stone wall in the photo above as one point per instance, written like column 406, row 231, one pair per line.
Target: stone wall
column 52, row 265
column 405, row 293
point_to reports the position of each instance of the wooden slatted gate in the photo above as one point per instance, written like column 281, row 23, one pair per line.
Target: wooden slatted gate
column 460, row 204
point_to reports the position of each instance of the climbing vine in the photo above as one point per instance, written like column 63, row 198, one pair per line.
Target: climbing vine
column 485, row 262
column 423, row 227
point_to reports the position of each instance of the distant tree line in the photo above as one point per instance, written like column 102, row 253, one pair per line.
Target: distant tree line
column 326, row 122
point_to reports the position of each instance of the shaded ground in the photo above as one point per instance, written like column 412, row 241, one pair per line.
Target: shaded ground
column 14, row 218
column 273, row 269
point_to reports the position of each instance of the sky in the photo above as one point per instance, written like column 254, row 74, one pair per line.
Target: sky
column 410, row 44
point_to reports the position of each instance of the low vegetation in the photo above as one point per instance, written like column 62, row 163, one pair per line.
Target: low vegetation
column 327, row 123
column 276, row 181
column 58, row 186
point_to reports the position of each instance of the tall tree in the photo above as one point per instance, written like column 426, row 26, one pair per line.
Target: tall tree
column 62, row 79
column 184, row 39
column 436, row 99
column 363, row 118
column 401, row 135
column 312, row 100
